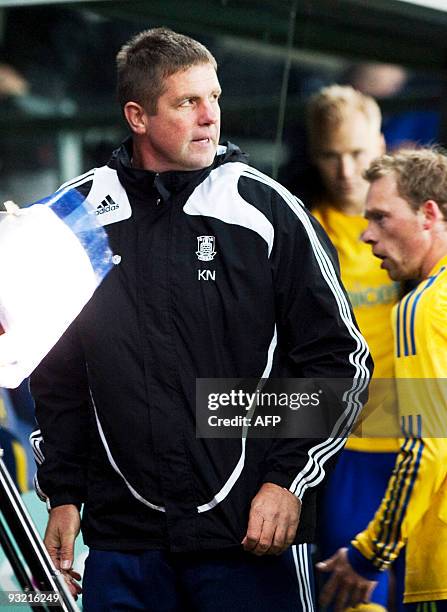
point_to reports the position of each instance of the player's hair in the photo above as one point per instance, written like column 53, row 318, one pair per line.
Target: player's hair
column 421, row 175
column 333, row 105
column 151, row 56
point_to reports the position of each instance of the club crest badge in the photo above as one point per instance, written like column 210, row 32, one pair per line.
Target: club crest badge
column 206, row 248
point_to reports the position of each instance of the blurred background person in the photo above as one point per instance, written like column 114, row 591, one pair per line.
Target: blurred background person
column 344, row 131
column 409, row 127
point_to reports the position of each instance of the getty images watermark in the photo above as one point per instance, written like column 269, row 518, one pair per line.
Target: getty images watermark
column 276, row 408
column 320, row 408
column 239, row 399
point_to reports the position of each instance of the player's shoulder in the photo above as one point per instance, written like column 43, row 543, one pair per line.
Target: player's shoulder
column 438, row 295
column 269, row 196
column 432, row 294
column 105, row 194
column 82, row 182
column 435, row 286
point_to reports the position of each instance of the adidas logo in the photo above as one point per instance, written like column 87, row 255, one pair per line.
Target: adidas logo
column 107, row 205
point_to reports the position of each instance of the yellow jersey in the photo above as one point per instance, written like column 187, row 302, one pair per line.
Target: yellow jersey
column 14, row 453
column 414, row 509
column 372, row 295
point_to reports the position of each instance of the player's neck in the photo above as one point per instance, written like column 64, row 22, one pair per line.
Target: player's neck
column 351, row 209
column 437, row 251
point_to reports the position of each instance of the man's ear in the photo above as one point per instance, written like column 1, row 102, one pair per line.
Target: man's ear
column 432, row 213
column 382, row 144
column 136, row 117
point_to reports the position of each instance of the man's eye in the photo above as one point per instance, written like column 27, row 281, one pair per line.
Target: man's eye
column 376, row 218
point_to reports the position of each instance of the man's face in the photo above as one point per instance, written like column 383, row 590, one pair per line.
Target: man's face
column 184, row 133
column 341, row 154
column 395, row 231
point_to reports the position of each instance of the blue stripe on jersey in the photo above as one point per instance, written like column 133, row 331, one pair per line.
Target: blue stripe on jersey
column 398, row 329
column 404, row 468
column 413, row 310
column 411, row 470
column 394, row 497
column 405, row 301
column 409, row 343
column 419, row 442
column 404, row 325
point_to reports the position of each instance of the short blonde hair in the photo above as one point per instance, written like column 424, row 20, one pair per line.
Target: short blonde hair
column 421, row 175
column 332, row 105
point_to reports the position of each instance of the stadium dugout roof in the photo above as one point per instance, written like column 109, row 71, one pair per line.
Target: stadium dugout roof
column 327, row 34
column 411, row 33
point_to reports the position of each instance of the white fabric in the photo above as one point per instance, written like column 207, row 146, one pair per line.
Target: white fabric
column 46, row 278
column 218, row 197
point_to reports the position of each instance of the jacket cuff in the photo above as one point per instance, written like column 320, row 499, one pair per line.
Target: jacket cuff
column 362, row 565
column 280, row 479
column 61, row 499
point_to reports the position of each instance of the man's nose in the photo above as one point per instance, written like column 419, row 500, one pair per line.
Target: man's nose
column 367, row 236
column 346, row 166
column 209, row 113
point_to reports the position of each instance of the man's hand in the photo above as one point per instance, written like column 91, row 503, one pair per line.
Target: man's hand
column 273, row 520
column 345, row 586
column 62, row 529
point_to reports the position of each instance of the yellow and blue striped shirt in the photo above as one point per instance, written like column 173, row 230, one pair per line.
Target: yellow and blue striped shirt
column 414, row 509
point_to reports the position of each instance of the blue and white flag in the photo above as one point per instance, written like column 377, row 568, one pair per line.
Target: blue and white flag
column 53, row 255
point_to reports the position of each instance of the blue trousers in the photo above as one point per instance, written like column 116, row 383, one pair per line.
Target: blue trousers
column 424, row 606
column 219, row 581
column 352, row 495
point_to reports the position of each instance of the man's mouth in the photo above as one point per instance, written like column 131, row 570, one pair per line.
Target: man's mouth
column 380, row 256
column 346, row 187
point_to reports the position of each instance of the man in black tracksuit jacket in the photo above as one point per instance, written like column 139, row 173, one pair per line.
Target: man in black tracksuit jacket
column 219, row 273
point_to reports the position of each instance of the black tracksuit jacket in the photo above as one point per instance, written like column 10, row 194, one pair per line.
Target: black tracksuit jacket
column 115, row 398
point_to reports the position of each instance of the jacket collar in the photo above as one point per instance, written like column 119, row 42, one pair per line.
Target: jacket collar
column 139, row 183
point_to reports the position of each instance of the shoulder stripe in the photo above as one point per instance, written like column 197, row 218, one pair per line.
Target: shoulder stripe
column 404, row 325
column 405, row 330
column 413, row 310
column 78, row 180
column 313, row 472
column 398, row 334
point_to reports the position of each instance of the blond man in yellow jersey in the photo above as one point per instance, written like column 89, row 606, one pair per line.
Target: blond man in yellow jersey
column 406, row 210
column 344, row 137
